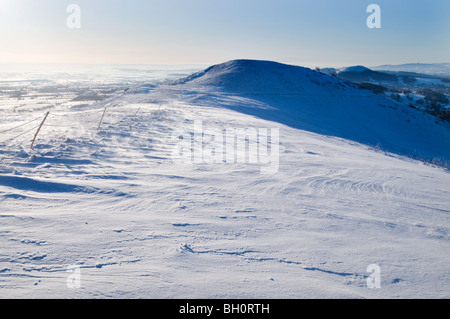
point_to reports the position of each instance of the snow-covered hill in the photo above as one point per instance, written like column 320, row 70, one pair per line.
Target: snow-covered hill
column 428, row 91
column 356, row 69
column 361, row 74
column 111, row 213
column 319, row 103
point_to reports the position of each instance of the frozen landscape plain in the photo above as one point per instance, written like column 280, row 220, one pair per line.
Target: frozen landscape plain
column 354, row 188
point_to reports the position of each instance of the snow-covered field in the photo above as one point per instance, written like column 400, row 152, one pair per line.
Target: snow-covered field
column 112, row 213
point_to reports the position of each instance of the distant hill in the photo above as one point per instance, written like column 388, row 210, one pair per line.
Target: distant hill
column 442, row 69
column 363, row 74
column 428, row 91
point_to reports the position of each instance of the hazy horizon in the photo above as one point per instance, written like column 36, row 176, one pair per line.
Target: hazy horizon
column 48, row 66
column 313, row 34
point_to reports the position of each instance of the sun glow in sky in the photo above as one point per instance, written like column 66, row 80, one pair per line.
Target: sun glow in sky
column 310, row 33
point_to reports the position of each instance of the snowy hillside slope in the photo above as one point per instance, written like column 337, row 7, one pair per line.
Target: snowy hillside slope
column 426, row 92
column 115, row 208
column 322, row 104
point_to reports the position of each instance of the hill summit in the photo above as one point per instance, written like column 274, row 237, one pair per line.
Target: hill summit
column 256, row 76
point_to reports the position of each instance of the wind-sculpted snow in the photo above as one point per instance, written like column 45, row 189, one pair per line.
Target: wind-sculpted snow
column 110, row 206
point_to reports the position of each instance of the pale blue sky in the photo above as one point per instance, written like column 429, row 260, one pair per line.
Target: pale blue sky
column 311, row 33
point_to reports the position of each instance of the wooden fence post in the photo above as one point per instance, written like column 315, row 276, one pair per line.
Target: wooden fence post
column 39, row 129
column 101, row 120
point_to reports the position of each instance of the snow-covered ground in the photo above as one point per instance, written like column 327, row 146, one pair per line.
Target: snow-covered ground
column 114, row 209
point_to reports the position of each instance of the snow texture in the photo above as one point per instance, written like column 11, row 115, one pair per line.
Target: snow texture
column 114, row 204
